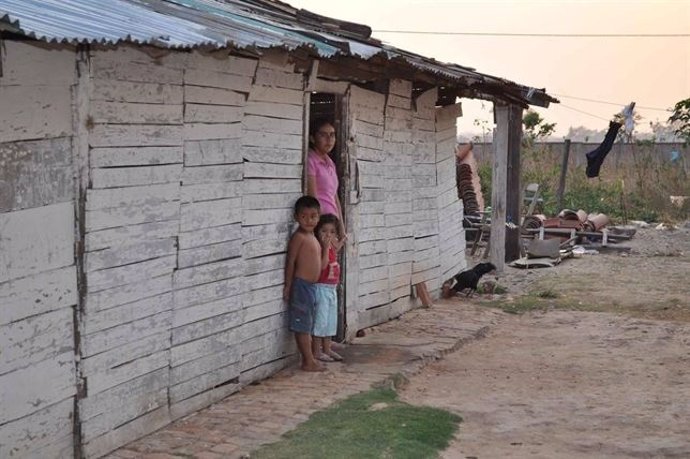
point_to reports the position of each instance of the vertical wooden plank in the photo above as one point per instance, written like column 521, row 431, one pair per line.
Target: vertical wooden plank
column 513, row 186
column 499, row 184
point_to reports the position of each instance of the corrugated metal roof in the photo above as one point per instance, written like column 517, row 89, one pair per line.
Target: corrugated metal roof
column 243, row 24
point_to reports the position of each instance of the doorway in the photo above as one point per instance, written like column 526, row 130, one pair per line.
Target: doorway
column 330, row 106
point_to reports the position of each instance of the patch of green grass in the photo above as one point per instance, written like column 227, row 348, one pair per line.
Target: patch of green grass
column 351, row 428
column 548, row 294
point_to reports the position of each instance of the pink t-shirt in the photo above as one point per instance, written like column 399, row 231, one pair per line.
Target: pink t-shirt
column 323, row 169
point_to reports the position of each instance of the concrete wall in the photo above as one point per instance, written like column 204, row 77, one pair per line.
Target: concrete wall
column 162, row 184
column 620, row 155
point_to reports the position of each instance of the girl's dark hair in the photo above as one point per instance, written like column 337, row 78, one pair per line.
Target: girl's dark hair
column 318, row 123
column 325, row 220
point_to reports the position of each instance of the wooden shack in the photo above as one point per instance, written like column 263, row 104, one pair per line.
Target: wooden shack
column 150, row 156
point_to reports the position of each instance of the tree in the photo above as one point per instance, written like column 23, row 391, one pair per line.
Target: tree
column 536, row 128
column 680, row 119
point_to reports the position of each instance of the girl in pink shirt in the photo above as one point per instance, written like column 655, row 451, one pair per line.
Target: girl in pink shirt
column 322, row 178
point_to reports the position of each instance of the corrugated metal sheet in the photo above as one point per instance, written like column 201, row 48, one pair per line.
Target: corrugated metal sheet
column 243, row 24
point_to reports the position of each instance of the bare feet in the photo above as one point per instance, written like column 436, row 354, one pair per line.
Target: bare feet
column 312, row 367
column 325, row 357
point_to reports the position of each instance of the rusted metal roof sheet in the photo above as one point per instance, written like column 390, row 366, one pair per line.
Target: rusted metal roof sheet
column 241, row 24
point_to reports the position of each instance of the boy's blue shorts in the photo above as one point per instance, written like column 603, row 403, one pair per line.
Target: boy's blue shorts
column 302, row 306
column 326, row 318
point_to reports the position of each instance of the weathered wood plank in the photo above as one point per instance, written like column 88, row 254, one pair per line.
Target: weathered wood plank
column 257, row 186
column 212, row 174
column 259, row 311
column 274, row 110
column 26, row 63
column 135, row 176
column 148, row 360
column 210, row 272
column 96, row 321
column 221, row 62
column 266, row 216
column 202, row 400
column 220, row 342
column 279, row 95
column 207, row 152
column 200, row 215
column 373, row 300
column 32, row 340
column 278, row 79
column 121, row 275
column 263, row 247
column 136, row 214
column 128, row 253
column 207, row 327
column 143, row 93
column 139, row 401
column 208, row 292
column 210, row 191
column 145, row 71
column 35, row 112
column 202, row 365
column 128, row 293
column 128, row 432
column 29, row 246
column 209, row 253
column 272, row 155
column 197, row 113
column 372, row 261
column 271, row 140
column 106, row 112
column 269, row 124
column 211, row 131
column 251, row 233
column 204, row 77
column 256, row 297
column 38, row 294
column 206, row 381
column 35, row 174
column 213, row 96
column 45, row 433
column 38, row 386
column 134, row 156
column 269, row 201
column 208, row 236
column 380, row 285
column 114, row 237
column 265, row 279
column 132, row 135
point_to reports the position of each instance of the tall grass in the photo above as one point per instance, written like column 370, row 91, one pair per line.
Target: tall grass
column 638, row 189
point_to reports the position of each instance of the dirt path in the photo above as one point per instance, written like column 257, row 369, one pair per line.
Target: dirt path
column 565, row 382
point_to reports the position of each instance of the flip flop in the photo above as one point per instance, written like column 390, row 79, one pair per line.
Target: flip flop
column 335, row 356
column 325, row 358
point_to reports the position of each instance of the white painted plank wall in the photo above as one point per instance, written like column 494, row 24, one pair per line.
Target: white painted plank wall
column 272, row 147
column 38, row 291
column 132, row 220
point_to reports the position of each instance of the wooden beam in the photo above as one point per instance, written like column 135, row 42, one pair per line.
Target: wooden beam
column 498, row 189
column 513, row 186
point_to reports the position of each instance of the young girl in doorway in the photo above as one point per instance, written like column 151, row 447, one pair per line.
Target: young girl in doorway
column 326, row 318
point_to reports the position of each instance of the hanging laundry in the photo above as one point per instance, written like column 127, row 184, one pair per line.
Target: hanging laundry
column 627, row 113
column 595, row 158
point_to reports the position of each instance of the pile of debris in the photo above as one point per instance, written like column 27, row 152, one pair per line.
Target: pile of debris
column 571, row 233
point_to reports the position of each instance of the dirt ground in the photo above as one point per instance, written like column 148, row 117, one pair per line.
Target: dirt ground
column 599, row 369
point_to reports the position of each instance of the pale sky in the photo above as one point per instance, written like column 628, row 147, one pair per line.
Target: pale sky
column 653, row 72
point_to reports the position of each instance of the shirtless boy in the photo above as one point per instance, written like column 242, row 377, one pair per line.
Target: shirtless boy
column 302, row 271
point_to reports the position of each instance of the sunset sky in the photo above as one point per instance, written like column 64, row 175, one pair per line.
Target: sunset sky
column 652, row 71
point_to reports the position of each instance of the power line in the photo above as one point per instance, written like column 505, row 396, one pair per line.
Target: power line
column 611, row 103
column 583, row 112
column 551, row 35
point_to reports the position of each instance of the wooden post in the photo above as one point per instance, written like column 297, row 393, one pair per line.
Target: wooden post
column 564, row 171
column 513, row 186
column 498, row 187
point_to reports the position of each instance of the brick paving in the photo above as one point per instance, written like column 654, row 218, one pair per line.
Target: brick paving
column 261, row 413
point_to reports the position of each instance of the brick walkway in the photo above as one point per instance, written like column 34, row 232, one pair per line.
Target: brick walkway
column 261, row 413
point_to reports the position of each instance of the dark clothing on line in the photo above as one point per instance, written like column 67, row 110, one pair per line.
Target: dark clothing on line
column 595, row 158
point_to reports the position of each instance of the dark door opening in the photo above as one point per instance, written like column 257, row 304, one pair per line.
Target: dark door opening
column 330, row 106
